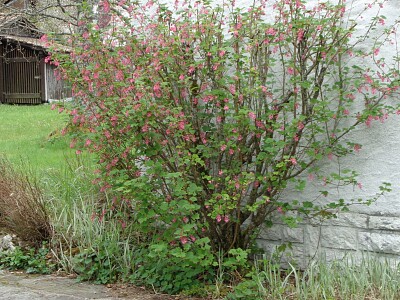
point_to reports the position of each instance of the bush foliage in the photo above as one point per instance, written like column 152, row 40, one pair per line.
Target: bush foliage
column 203, row 114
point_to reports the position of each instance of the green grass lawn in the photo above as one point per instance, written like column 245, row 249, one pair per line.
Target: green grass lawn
column 25, row 136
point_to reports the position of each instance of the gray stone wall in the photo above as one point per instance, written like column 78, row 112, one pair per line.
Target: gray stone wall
column 352, row 234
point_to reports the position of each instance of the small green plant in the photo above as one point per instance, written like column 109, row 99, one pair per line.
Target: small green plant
column 31, row 260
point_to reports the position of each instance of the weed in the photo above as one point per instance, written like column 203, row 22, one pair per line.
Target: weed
column 31, row 260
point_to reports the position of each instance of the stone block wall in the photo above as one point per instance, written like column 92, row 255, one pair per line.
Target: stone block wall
column 351, row 233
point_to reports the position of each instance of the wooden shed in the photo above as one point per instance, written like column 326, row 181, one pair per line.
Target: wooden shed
column 25, row 77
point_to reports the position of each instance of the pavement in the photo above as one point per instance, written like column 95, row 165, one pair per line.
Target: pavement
column 21, row 286
column 31, row 287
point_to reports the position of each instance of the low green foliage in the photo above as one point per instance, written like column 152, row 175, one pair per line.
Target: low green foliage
column 31, row 260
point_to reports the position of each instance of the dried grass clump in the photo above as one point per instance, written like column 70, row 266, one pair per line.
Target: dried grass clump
column 22, row 210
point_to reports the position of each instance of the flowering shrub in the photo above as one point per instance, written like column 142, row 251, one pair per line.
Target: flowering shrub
column 203, row 114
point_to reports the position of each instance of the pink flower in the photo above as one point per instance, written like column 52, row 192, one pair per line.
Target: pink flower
column 293, row 161
column 280, row 210
column 185, row 219
column 252, row 115
column 290, row 70
column 270, row 31
column 357, row 148
column 226, row 219
column 157, row 89
column 44, row 38
column 300, row 35
column 106, row 6
column 120, row 75
column 218, row 218
column 183, row 239
column 223, row 147
column 232, row 89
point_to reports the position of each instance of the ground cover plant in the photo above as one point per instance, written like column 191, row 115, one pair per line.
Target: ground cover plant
column 202, row 115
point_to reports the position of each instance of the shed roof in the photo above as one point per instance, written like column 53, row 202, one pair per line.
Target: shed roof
column 9, row 22
column 34, row 43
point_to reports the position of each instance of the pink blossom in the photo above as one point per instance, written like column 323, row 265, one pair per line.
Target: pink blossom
column 120, row 75
column 270, row 31
column 280, row 210
column 192, row 238
column 226, row 219
column 252, row 115
column 157, row 89
column 293, row 161
column 185, row 219
column 357, row 148
column 106, row 6
column 184, row 240
column 300, row 35
column 290, row 71
column 44, row 38
column 218, row 218
column 223, row 147
column 232, row 89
